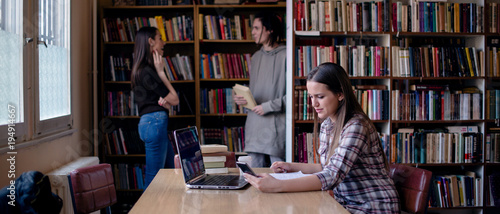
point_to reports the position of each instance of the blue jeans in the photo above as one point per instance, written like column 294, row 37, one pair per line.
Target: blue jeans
column 159, row 151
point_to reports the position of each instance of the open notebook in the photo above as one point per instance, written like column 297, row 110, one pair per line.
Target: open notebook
column 188, row 147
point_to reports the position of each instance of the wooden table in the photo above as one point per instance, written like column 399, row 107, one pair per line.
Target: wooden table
column 167, row 193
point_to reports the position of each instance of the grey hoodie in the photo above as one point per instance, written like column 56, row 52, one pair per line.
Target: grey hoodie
column 266, row 134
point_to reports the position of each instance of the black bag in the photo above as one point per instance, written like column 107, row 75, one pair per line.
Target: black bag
column 33, row 195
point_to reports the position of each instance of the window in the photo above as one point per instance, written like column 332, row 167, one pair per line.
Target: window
column 35, row 68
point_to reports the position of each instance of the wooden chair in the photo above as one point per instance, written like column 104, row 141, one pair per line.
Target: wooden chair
column 412, row 185
column 92, row 188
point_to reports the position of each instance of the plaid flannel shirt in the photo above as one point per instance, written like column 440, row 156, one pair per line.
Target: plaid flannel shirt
column 356, row 171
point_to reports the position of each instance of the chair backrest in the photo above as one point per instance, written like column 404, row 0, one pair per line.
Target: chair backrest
column 412, row 185
column 92, row 187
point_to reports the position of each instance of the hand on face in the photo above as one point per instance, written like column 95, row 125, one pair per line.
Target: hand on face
column 159, row 62
column 157, row 45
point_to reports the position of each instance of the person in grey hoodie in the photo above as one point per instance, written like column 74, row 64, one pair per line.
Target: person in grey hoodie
column 265, row 123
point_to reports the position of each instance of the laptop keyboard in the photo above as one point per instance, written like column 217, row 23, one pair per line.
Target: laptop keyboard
column 219, row 180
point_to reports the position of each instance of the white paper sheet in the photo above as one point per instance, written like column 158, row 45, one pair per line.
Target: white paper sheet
column 286, row 176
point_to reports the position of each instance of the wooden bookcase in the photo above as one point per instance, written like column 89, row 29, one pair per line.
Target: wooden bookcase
column 385, row 36
column 122, row 123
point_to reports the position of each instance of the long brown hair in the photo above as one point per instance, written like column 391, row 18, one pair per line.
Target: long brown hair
column 337, row 81
column 142, row 51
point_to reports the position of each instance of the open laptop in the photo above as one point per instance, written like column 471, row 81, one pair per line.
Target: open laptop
column 193, row 168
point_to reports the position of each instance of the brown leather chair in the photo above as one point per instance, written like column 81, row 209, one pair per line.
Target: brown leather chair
column 412, row 185
column 92, row 188
column 230, row 158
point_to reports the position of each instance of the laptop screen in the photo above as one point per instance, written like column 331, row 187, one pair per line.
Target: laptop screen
column 188, row 147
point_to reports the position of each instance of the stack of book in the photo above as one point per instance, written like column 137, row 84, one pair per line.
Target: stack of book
column 214, row 158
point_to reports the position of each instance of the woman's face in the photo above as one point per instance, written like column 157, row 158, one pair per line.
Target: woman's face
column 324, row 101
column 259, row 33
column 157, row 44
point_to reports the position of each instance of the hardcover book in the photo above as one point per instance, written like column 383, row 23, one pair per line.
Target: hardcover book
column 244, row 91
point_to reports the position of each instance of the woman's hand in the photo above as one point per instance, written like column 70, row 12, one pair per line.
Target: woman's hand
column 265, row 182
column 164, row 103
column 281, row 167
column 159, row 62
column 240, row 100
column 258, row 110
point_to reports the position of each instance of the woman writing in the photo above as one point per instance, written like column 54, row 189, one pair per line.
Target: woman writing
column 154, row 95
column 353, row 163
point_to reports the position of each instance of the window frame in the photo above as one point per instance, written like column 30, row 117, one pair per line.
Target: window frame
column 53, row 125
column 32, row 129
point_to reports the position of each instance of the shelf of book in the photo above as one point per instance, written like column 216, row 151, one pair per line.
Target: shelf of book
column 185, row 30
column 464, row 56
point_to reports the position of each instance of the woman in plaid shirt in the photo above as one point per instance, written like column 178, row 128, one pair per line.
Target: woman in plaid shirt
column 353, row 163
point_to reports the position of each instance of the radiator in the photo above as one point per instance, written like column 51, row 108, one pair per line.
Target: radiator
column 59, row 180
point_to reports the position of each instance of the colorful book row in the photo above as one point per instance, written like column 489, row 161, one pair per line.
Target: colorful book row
column 225, row 66
column 120, row 68
column 305, row 146
column 493, row 104
column 437, row 62
column 441, row 104
column 121, row 103
column 430, row 146
column 427, row 16
column 493, row 60
column 219, row 27
column 303, row 111
column 177, row 28
column 334, row 15
column 129, row 176
column 178, row 67
column 492, row 148
column 123, row 142
column 493, row 11
column 456, row 191
column 233, row 137
column 357, row 60
column 218, row 101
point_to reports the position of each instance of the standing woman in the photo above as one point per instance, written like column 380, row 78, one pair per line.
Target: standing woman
column 265, row 123
column 154, row 95
column 353, row 163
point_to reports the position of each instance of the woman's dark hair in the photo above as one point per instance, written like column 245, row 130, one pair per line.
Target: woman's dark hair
column 272, row 22
column 142, row 51
column 337, row 81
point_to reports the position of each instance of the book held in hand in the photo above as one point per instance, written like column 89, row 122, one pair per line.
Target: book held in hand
column 244, row 91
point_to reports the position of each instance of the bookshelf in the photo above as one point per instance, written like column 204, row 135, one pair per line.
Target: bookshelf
column 321, row 32
column 184, row 52
column 218, row 44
